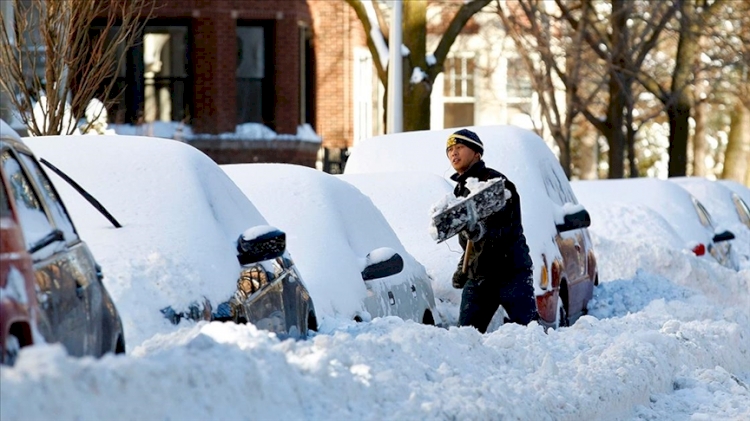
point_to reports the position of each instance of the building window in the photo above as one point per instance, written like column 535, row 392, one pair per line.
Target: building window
column 518, row 81
column 165, row 65
column 307, row 76
column 255, row 90
column 153, row 82
column 458, row 91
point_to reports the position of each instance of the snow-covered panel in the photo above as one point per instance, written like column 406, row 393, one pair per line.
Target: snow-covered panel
column 717, row 198
column 181, row 217
column 518, row 153
column 331, row 227
column 738, row 188
column 668, row 199
column 405, row 199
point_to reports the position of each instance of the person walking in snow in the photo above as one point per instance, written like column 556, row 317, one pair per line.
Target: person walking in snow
column 499, row 267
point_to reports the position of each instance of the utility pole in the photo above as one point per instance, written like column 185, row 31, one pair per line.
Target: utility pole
column 395, row 104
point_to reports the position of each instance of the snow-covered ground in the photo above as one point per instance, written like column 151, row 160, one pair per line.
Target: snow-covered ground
column 667, row 338
column 671, row 342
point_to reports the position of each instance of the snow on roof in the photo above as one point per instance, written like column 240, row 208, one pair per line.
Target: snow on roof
column 405, row 199
column 672, row 202
column 181, row 217
column 519, row 154
column 716, row 197
column 330, row 225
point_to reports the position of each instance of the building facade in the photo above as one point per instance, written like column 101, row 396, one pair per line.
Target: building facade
column 484, row 81
column 218, row 63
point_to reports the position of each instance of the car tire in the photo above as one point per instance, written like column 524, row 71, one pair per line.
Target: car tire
column 312, row 322
column 120, row 346
column 427, row 319
column 12, row 348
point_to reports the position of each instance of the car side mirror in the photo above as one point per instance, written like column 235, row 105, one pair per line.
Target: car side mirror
column 260, row 243
column 381, row 263
column 723, row 236
column 575, row 220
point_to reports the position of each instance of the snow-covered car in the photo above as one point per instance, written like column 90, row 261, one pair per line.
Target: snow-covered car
column 50, row 280
column 404, row 199
column 354, row 264
column 727, row 208
column 728, row 211
column 191, row 244
column 565, row 270
column 682, row 210
column 741, row 190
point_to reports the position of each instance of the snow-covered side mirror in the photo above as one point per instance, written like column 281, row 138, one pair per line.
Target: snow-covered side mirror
column 260, row 243
column 723, row 236
column 573, row 217
column 381, row 263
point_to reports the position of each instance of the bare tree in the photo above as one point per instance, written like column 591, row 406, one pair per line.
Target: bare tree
column 416, row 95
column 596, row 49
column 546, row 58
column 53, row 53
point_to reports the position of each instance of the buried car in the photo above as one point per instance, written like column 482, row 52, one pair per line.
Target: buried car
column 354, row 264
column 565, row 270
column 682, row 210
column 726, row 206
column 404, row 199
column 190, row 245
column 52, row 286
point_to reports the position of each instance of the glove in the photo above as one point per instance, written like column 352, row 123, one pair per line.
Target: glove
column 459, row 279
column 475, row 232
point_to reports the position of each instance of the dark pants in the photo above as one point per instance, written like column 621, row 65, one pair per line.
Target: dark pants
column 480, row 300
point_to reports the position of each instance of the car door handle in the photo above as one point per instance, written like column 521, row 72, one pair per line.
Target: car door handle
column 79, row 291
column 391, row 298
column 578, row 247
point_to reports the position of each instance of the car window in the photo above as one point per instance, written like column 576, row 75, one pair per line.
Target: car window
column 742, row 210
column 557, row 186
column 59, row 214
column 31, row 214
column 703, row 215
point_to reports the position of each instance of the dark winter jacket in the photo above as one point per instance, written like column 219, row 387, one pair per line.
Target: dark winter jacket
column 502, row 253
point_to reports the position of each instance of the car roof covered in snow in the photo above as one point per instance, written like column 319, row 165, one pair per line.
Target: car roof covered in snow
column 519, row 154
column 331, row 227
column 181, row 217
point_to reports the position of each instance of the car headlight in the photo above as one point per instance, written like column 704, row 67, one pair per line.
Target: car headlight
column 252, row 279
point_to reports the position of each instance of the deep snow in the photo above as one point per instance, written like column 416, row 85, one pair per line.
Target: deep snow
column 667, row 338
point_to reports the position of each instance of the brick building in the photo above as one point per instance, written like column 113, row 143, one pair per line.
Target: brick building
column 219, row 63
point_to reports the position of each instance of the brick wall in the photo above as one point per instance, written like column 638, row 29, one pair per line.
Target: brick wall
column 336, row 32
column 215, row 57
column 280, row 151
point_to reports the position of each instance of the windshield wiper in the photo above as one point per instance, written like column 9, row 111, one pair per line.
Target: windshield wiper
column 95, row 203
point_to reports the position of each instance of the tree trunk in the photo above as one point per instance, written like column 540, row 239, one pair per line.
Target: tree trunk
column 700, row 148
column 416, row 95
column 615, row 135
column 417, row 106
column 679, row 115
column 738, row 145
column 586, row 157
column 681, row 102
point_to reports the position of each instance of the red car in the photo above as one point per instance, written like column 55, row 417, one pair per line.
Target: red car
column 67, row 301
column 18, row 306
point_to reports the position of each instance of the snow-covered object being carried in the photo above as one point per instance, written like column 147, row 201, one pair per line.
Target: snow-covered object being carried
column 449, row 217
